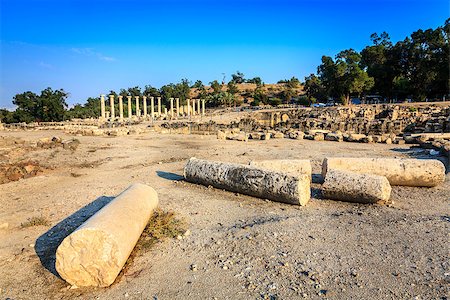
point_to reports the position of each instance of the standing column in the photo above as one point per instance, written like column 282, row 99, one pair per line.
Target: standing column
column 120, row 108
column 188, row 107
column 111, row 104
column 177, row 100
column 203, row 106
column 152, row 107
column 165, row 111
column 144, row 100
column 138, row 112
column 198, row 107
column 130, row 113
column 102, row 106
column 171, row 107
column 193, row 107
column 159, row 106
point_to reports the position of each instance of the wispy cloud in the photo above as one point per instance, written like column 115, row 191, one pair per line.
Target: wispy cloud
column 92, row 53
column 45, row 65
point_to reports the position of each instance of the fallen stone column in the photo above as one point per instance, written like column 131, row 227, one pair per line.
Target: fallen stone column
column 354, row 187
column 292, row 167
column 249, row 180
column 409, row 172
column 95, row 252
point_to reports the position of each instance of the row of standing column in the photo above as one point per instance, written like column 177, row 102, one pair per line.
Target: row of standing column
column 191, row 108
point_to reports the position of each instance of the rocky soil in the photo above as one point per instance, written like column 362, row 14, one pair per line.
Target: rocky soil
column 239, row 247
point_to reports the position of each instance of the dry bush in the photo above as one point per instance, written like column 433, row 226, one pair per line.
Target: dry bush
column 162, row 225
column 35, row 221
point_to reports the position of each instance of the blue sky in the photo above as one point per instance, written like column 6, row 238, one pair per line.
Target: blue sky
column 90, row 47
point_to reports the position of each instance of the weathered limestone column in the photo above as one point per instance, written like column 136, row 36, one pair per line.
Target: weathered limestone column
column 249, row 180
column 102, row 106
column 171, row 108
column 402, row 171
column 130, row 113
column 198, row 107
column 203, row 106
column 152, row 107
column 188, row 107
column 111, row 104
column 138, row 111
column 193, row 107
column 177, row 100
column 144, row 100
column 292, row 167
column 95, row 252
column 159, row 106
column 165, row 111
column 354, row 187
column 120, row 107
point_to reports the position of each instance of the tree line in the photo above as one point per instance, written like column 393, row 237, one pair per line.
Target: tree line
column 50, row 105
column 416, row 68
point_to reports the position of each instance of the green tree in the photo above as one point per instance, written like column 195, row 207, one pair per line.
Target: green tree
column 48, row 106
column 314, row 89
column 344, row 77
column 198, row 85
column 216, row 86
column 232, row 88
column 255, row 80
column 377, row 60
column 238, row 77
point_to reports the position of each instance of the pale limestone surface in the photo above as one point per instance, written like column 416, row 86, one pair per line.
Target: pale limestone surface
column 404, row 171
column 356, row 187
column 95, row 252
column 249, row 180
column 294, row 167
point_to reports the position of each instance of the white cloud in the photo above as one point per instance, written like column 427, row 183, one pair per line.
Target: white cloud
column 91, row 52
column 45, row 65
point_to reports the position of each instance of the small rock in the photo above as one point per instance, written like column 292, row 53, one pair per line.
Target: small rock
column 194, row 267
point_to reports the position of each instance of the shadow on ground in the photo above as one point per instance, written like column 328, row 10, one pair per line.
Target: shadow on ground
column 47, row 243
column 317, row 178
column 169, row 176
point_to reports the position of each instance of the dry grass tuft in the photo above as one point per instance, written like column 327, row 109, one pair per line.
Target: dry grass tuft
column 163, row 224
column 35, row 221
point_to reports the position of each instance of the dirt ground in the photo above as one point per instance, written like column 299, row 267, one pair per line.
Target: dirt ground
column 239, row 247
